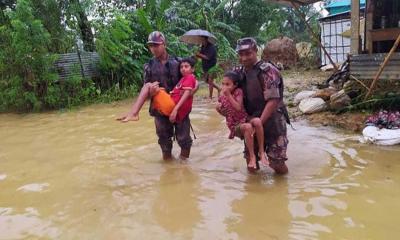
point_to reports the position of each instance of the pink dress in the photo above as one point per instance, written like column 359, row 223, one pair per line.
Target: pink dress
column 233, row 117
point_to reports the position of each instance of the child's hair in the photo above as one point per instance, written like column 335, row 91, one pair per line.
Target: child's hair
column 189, row 60
column 233, row 76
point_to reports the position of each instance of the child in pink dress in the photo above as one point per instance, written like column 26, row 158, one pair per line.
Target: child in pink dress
column 231, row 106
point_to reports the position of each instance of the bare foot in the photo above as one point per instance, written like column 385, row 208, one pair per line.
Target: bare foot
column 127, row 118
column 264, row 161
column 252, row 163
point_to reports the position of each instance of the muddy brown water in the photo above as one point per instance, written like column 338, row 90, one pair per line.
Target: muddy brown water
column 82, row 175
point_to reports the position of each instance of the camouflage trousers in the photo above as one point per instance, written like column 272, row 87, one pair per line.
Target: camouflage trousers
column 275, row 139
column 166, row 131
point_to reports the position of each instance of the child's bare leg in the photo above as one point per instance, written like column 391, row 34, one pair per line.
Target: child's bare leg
column 211, row 86
column 247, row 130
column 257, row 124
column 133, row 114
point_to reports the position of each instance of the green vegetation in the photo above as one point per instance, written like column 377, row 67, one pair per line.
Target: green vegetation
column 34, row 33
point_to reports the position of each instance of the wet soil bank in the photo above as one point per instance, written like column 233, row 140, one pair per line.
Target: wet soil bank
column 297, row 81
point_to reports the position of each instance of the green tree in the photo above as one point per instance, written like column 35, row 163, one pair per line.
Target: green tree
column 76, row 17
column 26, row 72
column 250, row 15
column 50, row 13
column 283, row 21
column 122, row 57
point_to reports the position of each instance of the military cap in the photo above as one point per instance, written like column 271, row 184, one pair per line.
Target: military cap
column 156, row 37
column 246, row 43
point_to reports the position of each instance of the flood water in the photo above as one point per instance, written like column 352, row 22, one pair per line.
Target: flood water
column 83, row 175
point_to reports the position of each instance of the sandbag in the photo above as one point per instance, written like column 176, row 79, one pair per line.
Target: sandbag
column 312, row 105
column 303, row 95
column 383, row 136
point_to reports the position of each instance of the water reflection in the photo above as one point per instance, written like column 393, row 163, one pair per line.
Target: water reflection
column 175, row 207
column 262, row 213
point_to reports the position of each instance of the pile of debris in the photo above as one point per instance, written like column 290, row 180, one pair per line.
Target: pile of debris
column 282, row 52
column 330, row 96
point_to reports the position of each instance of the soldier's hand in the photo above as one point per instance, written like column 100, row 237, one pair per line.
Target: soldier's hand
column 154, row 88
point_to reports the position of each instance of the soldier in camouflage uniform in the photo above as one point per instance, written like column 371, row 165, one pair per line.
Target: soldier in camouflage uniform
column 262, row 87
column 163, row 71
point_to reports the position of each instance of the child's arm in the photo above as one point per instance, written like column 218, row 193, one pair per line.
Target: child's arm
column 196, row 87
column 237, row 102
column 174, row 112
column 202, row 56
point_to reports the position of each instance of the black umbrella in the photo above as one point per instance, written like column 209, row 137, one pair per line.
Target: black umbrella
column 195, row 36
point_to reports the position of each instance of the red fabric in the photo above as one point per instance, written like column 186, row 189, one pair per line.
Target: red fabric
column 186, row 83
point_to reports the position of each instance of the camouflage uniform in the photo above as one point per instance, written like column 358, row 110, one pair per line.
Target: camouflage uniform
column 260, row 84
column 168, row 75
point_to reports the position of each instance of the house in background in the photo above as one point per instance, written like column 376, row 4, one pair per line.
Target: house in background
column 335, row 30
column 335, row 7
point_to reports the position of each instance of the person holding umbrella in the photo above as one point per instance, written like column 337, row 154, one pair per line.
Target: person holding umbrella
column 208, row 56
column 208, row 53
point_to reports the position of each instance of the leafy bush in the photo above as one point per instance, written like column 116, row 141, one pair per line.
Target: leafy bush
column 121, row 57
column 26, row 69
column 28, row 78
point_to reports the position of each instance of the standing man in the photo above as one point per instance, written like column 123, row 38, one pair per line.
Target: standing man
column 163, row 71
column 208, row 54
column 262, row 87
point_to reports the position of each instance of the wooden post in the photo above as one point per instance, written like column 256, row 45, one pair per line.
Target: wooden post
column 355, row 27
column 369, row 25
column 383, row 65
column 80, row 61
column 303, row 18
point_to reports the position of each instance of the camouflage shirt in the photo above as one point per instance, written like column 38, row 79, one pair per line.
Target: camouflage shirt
column 167, row 74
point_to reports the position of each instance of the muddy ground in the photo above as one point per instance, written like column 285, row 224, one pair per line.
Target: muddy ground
column 297, row 81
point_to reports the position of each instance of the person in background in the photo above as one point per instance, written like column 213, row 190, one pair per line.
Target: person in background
column 208, row 56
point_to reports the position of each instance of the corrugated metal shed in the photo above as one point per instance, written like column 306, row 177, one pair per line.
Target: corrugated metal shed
column 69, row 65
column 365, row 66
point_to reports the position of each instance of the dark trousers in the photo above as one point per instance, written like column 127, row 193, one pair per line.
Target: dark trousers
column 166, row 130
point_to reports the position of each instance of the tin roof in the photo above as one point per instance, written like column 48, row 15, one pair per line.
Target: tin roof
column 342, row 3
column 341, row 6
column 289, row 2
